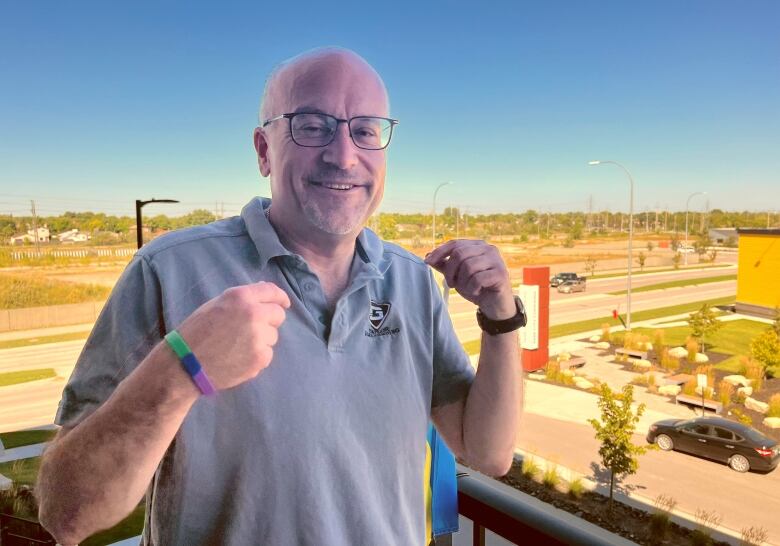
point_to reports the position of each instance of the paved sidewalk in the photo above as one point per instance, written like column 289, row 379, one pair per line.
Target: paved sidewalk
column 23, row 452
column 45, row 332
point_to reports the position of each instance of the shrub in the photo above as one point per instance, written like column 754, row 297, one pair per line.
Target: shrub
column 765, row 347
column 743, row 362
column 551, row 478
column 753, row 536
column 693, row 347
column 725, row 392
column 659, row 519
column 669, row 362
column 774, row 406
column 741, row 417
column 658, row 341
column 530, row 468
column 689, row 388
column 553, row 371
column 576, row 488
column 755, row 371
column 706, row 522
column 632, row 340
column 605, row 335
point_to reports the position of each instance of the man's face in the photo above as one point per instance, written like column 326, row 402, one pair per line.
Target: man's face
column 334, row 188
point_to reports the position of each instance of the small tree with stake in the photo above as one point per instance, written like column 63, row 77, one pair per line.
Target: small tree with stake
column 615, row 430
column 704, row 323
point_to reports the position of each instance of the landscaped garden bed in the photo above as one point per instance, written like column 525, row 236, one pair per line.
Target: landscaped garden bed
column 637, row 525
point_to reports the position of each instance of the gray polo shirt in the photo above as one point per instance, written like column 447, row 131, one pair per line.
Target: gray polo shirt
column 324, row 447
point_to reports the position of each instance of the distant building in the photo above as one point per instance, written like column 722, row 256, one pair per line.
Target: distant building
column 72, row 236
column 758, row 271
column 724, row 236
column 30, row 237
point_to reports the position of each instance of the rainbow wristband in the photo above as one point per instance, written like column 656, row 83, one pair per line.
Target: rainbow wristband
column 189, row 362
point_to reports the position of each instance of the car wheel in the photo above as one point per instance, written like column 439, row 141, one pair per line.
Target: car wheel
column 664, row 442
column 739, row 463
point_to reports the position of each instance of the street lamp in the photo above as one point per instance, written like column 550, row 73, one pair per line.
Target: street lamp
column 630, row 235
column 440, row 186
column 138, row 223
column 686, row 221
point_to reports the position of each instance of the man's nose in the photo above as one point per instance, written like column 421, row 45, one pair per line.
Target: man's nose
column 341, row 152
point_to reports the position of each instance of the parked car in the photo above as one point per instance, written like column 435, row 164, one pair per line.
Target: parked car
column 561, row 278
column 741, row 447
column 572, row 286
column 682, row 249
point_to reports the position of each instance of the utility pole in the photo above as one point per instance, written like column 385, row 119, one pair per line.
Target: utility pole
column 590, row 211
column 35, row 227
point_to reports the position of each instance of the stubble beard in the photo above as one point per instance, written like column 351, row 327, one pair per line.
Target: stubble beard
column 331, row 221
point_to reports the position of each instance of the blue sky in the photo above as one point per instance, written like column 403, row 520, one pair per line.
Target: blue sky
column 105, row 102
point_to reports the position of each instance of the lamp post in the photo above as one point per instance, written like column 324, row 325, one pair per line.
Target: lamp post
column 440, row 186
column 138, row 222
column 686, row 221
column 630, row 235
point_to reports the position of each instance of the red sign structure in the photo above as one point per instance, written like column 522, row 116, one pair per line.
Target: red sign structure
column 535, row 359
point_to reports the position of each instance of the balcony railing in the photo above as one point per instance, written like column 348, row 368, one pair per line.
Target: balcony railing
column 520, row 518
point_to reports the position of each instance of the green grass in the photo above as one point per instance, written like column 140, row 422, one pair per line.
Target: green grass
column 17, row 292
column 26, row 437
column 732, row 339
column 24, row 376
column 560, row 330
column 13, row 343
column 129, row 527
column 624, row 273
column 25, row 471
column 678, row 283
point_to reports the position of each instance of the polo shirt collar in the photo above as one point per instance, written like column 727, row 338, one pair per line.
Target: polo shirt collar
column 369, row 248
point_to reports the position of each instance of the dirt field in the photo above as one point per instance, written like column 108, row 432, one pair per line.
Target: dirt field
column 610, row 255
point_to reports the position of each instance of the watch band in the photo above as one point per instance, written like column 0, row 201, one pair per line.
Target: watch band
column 496, row 327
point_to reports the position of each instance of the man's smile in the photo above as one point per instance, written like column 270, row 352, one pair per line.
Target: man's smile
column 337, row 186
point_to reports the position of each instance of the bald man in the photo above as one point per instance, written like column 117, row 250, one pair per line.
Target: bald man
column 268, row 378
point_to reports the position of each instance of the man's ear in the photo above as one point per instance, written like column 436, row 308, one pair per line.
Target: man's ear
column 261, row 147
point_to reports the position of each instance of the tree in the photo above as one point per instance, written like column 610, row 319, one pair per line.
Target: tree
column 702, row 244
column 641, row 258
column 676, row 260
column 765, row 348
column 650, row 246
column 590, row 265
column 704, row 323
column 675, row 242
column 776, row 323
column 615, row 430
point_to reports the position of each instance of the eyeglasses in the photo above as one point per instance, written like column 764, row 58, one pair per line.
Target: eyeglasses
column 318, row 130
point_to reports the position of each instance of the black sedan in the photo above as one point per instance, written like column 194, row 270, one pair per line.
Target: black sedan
column 741, row 447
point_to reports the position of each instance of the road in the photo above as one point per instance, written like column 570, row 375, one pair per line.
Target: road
column 564, row 308
column 742, row 499
column 597, row 302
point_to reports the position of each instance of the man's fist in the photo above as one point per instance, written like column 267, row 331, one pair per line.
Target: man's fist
column 477, row 272
column 233, row 334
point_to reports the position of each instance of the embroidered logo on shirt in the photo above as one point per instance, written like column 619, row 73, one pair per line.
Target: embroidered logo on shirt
column 377, row 315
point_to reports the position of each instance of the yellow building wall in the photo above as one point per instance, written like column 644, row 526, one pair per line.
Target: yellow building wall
column 758, row 276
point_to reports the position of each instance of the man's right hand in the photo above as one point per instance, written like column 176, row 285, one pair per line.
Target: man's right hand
column 233, row 334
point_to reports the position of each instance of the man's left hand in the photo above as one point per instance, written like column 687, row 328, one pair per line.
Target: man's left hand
column 477, row 272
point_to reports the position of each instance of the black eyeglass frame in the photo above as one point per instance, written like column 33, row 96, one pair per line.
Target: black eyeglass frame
column 290, row 116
